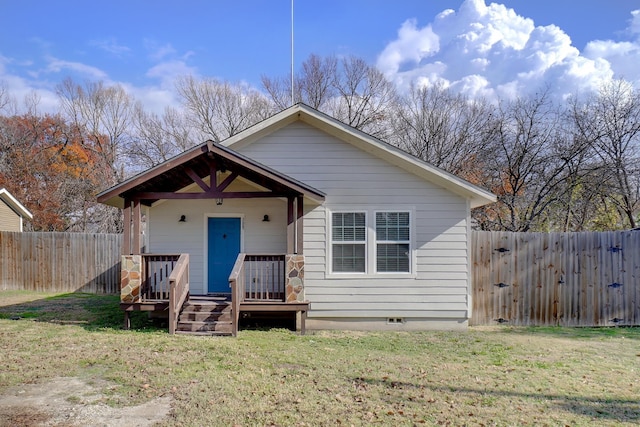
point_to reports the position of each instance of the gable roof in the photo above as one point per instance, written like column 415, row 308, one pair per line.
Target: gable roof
column 14, row 204
column 300, row 112
column 179, row 172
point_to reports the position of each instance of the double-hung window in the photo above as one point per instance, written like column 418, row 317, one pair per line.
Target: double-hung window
column 349, row 242
column 381, row 245
column 393, row 242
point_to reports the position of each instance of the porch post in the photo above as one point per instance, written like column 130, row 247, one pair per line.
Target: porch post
column 126, row 229
column 131, row 263
column 299, row 226
column 294, row 270
column 290, row 226
column 137, row 219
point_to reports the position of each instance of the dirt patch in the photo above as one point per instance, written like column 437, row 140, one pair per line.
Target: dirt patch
column 72, row 402
column 10, row 298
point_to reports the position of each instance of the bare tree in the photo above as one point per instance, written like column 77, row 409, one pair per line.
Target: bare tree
column 8, row 103
column 32, row 103
column 315, row 81
column 531, row 165
column 349, row 90
column 279, row 91
column 445, row 129
column 219, row 110
column 610, row 122
column 364, row 97
column 158, row 138
column 313, row 86
column 105, row 113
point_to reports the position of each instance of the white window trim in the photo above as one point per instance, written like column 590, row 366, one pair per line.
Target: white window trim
column 376, row 242
column 370, row 241
column 357, row 242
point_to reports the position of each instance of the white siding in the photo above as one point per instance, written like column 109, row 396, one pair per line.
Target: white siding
column 356, row 180
column 167, row 235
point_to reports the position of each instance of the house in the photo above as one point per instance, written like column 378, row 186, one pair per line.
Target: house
column 298, row 213
column 12, row 212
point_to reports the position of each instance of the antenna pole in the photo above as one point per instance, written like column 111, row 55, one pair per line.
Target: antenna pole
column 292, row 95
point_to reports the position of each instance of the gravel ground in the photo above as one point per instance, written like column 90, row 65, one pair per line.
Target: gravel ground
column 69, row 402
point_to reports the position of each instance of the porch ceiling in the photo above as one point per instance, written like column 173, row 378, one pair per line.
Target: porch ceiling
column 192, row 166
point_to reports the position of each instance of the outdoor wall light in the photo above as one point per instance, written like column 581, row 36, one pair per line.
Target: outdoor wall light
column 182, row 218
column 265, row 218
column 219, row 201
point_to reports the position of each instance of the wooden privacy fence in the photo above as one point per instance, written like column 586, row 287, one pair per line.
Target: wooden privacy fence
column 565, row 279
column 60, row 262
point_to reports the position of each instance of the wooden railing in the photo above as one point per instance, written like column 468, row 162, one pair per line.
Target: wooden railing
column 156, row 269
column 264, row 278
column 256, row 278
column 236, row 281
column 178, row 290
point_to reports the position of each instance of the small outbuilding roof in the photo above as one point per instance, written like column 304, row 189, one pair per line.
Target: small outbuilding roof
column 14, row 204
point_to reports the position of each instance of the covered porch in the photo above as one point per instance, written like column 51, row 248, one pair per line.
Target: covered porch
column 211, row 174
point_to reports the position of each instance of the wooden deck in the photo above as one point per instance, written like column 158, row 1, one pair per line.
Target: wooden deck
column 207, row 322
column 270, row 306
column 257, row 285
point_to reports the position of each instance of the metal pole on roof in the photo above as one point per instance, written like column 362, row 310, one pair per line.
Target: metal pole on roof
column 292, row 95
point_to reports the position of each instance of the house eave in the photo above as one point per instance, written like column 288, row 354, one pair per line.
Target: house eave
column 477, row 196
column 115, row 195
column 14, row 204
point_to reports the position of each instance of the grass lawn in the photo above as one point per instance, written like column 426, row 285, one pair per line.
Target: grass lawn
column 485, row 376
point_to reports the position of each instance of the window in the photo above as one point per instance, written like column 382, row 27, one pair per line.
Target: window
column 393, row 242
column 382, row 245
column 348, row 240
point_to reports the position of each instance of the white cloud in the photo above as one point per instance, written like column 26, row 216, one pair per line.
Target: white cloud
column 167, row 72
column 154, row 98
column 489, row 50
column 158, row 52
column 412, row 46
column 55, row 65
column 111, row 46
column 623, row 56
column 634, row 25
column 25, row 78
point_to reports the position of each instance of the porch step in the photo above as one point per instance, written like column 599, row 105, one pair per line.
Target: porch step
column 205, row 317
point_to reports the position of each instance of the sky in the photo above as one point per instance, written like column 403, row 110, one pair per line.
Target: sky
column 496, row 50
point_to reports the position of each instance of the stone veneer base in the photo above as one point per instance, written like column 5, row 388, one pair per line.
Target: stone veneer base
column 130, row 278
column 294, row 278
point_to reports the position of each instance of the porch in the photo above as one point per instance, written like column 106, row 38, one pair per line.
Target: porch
column 258, row 283
column 202, row 179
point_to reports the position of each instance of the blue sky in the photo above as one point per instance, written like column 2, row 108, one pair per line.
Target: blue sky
column 145, row 45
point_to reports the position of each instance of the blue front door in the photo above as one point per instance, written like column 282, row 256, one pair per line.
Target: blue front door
column 224, row 247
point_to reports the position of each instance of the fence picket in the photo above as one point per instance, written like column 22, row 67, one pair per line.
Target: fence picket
column 60, row 262
column 566, row 279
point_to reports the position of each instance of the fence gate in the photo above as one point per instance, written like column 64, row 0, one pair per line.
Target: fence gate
column 566, row 279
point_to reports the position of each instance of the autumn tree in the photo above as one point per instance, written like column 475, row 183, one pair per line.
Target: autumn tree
column 48, row 166
column 104, row 113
